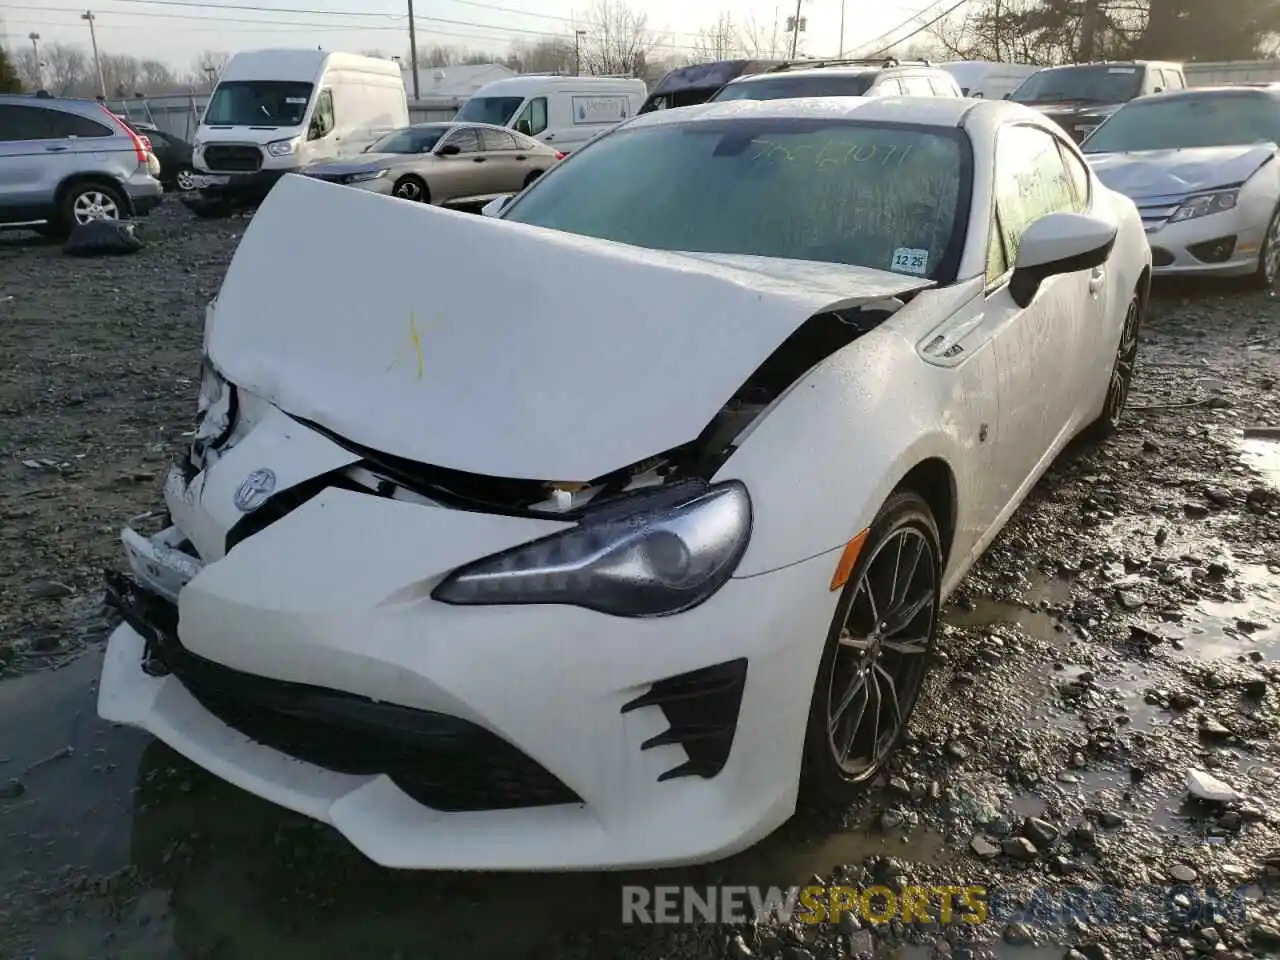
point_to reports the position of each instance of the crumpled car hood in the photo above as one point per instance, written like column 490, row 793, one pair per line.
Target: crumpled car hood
column 1165, row 173
column 496, row 348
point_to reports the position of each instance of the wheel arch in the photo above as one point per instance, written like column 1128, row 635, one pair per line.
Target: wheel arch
column 935, row 482
column 102, row 179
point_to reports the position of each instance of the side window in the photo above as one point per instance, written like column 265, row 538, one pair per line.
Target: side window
column 322, row 120
column 534, row 118
column 1031, row 181
column 498, row 140
column 1079, row 176
column 466, row 140
column 916, row 86
column 525, row 143
column 71, row 125
column 887, row 88
column 24, row 123
column 941, row 88
column 1173, row 80
column 997, row 263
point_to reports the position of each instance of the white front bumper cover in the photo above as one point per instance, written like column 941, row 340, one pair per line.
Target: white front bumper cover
column 550, row 680
column 1248, row 229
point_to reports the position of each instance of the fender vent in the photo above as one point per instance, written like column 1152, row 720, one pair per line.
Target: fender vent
column 702, row 708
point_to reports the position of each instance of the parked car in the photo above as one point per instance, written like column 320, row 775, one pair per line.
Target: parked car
column 1081, row 96
column 611, row 577
column 174, row 155
column 277, row 111
column 1201, row 166
column 65, row 161
column 842, row 78
column 988, row 80
column 451, row 164
column 562, row 112
column 699, row 82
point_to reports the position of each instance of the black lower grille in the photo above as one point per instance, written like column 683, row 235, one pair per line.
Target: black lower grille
column 702, row 708
column 1218, row 250
column 1161, row 257
column 233, row 158
column 444, row 762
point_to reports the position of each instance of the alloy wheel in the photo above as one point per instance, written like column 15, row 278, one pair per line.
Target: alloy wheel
column 1122, row 371
column 185, row 181
column 408, row 190
column 883, row 652
column 95, row 205
column 1271, row 254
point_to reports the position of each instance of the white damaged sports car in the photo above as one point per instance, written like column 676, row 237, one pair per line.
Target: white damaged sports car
column 592, row 535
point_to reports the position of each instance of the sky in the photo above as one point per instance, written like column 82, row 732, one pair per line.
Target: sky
column 176, row 31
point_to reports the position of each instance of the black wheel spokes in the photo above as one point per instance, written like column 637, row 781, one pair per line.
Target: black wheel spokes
column 880, row 660
column 1126, row 359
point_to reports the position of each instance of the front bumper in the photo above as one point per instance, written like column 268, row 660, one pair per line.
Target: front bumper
column 1188, row 247
column 318, row 692
column 238, row 187
column 384, row 185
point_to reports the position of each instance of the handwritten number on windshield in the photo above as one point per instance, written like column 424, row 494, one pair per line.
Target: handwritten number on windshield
column 833, row 153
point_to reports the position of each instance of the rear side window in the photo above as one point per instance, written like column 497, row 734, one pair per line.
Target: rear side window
column 74, row 125
column 888, row 88
column 497, row 140
column 942, row 88
column 916, row 86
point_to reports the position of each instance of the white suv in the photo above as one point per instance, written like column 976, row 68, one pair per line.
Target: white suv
column 843, row 78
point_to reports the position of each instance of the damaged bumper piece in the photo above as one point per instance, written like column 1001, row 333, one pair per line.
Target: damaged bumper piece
column 455, row 669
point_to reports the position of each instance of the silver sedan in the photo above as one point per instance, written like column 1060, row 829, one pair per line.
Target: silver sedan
column 448, row 164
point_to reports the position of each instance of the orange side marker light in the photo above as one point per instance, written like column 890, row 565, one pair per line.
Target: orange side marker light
column 848, row 560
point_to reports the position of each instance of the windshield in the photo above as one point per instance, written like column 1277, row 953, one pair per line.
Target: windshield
column 786, row 88
column 258, row 103
column 408, row 140
column 874, row 195
column 1090, row 83
column 1186, row 121
column 495, row 110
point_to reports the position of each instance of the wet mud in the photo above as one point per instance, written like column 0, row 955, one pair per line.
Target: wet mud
column 1122, row 631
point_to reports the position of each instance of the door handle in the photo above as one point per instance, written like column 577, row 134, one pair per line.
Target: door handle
column 521, row 156
column 548, row 138
column 57, row 148
column 1096, row 279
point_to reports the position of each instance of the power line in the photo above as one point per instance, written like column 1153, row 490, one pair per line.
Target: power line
column 923, row 11
column 922, row 28
column 192, row 17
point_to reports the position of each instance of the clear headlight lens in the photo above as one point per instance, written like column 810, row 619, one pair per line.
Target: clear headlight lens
column 366, row 175
column 282, row 148
column 212, row 387
column 649, row 555
column 1206, row 204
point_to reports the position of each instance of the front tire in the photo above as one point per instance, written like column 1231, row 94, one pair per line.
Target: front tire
column 85, row 202
column 184, row 180
column 878, row 653
column 412, row 189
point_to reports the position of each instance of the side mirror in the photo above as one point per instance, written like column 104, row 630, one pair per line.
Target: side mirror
column 1055, row 244
column 496, row 205
column 1006, row 96
column 450, row 150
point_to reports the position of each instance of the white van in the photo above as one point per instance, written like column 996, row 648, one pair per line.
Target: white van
column 562, row 112
column 276, row 111
column 986, row 79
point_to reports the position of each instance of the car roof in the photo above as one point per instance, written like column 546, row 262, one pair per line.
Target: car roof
column 922, row 111
column 1221, row 90
column 36, row 99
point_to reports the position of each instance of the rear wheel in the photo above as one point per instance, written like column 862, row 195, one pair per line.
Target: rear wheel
column 879, row 650
column 1264, row 278
column 412, row 188
column 533, row 175
column 1121, row 374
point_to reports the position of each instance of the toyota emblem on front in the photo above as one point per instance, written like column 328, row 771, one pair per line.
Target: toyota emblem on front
column 254, row 490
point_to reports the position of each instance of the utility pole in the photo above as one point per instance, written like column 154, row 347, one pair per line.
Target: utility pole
column 413, row 50
column 1088, row 30
column 796, row 24
column 97, row 59
column 841, row 53
column 577, row 51
column 35, row 47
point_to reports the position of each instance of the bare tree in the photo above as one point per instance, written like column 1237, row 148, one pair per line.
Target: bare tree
column 765, row 41
column 618, row 39
column 211, row 61
column 66, row 70
column 719, row 41
column 28, row 70
column 122, row 74
column 156, row 78
column 552, row 55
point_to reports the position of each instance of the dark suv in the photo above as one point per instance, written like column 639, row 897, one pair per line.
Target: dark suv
column 64, row 162
column 1081, row 96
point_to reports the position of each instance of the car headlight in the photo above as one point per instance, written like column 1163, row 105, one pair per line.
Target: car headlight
column 212, row 387
column 1206, row 204
column 281, row 148
column 366, row 175
column 647, row 555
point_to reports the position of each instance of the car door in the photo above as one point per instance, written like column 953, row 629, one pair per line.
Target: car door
column 1039, row 347
column 506, row 165
column 461, row 174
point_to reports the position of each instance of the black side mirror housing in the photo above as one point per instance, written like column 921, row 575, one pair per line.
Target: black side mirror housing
column 450, row 150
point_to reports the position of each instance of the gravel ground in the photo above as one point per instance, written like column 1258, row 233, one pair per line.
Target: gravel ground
column 1121, row 632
